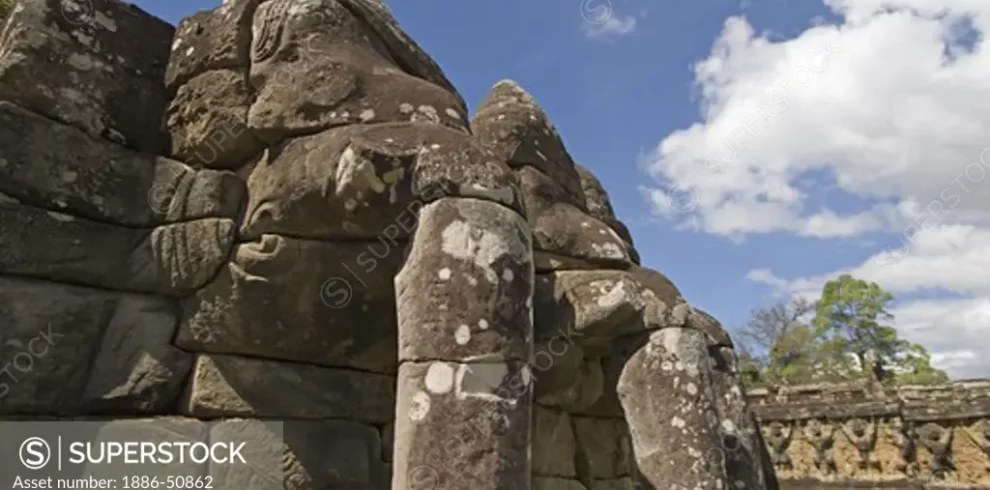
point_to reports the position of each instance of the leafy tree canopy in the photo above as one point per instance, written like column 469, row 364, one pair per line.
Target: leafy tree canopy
column 5, row 6
column 843, row 336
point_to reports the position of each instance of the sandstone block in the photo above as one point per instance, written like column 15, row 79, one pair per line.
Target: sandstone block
column 388, row 440
column 464, row 292
column 592, row 304
column 741, row 439
column 564, row 230
column 118, row 32
column 137, row 369
column 402, row 48
column 611, row 365
column 551, row 262
column 613, row 484
column 207, row 121
column 511, row 123
column 560, row 227
column 598, row 203
column 665, row 307
column 541, row 191
column 96, row 65
column 301, row 455
column 211, row 40
column 229, row 386
column 545, row 483
column 557, row 367
column 554, row 446
column 154, row 430
column 605, row 446
column 587, row 387
column 716, row 334
column 463, row 426
column 673, row 422
column 328, row 304
column 102, row 181
column 347, row 71
column 68, row 350
column 170, row 260
column 369, row 181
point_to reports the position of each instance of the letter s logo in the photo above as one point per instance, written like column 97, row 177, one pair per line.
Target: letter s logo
column 39, row 451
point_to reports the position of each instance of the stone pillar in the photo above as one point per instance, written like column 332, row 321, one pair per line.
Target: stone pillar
column 739, row 432
column 465, row 319
column 740, row 435
column 665, row 391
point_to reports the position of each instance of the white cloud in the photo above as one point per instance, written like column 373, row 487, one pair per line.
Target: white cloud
column 766, row 276
column 873, row 101
column 614, row 25
column 954, row 330
column 893, row 105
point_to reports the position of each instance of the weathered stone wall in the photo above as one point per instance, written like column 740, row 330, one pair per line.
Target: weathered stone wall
column 842, row 436
column 280, row 211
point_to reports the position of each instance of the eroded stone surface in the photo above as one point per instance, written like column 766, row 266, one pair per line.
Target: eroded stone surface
column 673, row 422
column 96, row 65
column 740, row 434
column 547, row 483
column 137, row 369
column 613, row 484
column 465, row 290
column 511, row 123
column 610, row 364
column 700, row 320
column 102, row 181
column 598, row 203
column 340, row 312
column 301, row 455
column 584, row 392
column 590, row 303
column 606, row 447
column 170, row 260
column 231, row 386
column 403, row 49
column 349, row 74
column 210, row 40
column 557, row 365
column 207, row 121
column 554, row 444
column 463, row 426
column 560, row 227
column 664, row 305
column 73, row 349
column 369, row 181
column 357, row 162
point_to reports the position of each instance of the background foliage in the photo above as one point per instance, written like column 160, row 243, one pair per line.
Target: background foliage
column 843, row 336
column 5, row 6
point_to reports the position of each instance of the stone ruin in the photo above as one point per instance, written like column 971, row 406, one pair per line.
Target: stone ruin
column 846, row 435
column 280, row 210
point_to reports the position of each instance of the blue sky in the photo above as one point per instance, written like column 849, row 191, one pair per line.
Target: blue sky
column 643, row 91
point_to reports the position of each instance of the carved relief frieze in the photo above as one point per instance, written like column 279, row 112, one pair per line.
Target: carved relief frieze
column 778, row 437
column 821, row 435
column 937, row 439
column 863, row 435
column 900, row 434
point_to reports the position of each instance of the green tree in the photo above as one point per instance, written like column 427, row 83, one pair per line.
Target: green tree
column 851, row 325
column 779, row 346
column 5, row 6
